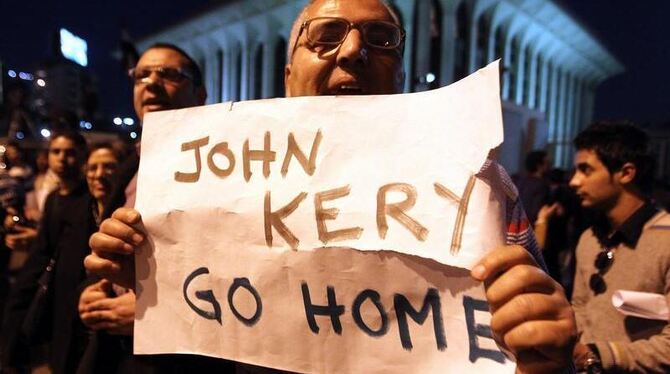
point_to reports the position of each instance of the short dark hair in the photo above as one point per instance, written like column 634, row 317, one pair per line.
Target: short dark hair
column 74, row 136
column 616, row 143
column 192, row 65
column 534, row 160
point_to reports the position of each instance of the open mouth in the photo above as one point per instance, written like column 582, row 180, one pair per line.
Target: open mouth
column 348, row 89
column 155, row 103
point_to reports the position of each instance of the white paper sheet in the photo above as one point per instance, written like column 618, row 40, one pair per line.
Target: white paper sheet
column 641, row 304
column 210, row 282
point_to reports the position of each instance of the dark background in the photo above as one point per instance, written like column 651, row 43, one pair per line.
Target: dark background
column 636, row 32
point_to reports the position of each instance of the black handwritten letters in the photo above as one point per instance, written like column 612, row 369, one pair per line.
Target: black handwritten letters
column 404, row 313
column 476, row 331
column 333, row 310
column 208, row 296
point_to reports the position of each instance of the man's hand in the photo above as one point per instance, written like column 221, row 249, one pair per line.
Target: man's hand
column 531, row 316
column 95, row 292
column 549, row 211
column 97, row 311
column 21, row 238
column 113, row 248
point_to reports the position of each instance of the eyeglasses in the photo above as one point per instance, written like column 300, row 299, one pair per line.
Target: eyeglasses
column 332, row 31
column 173, row 75
column 603, row 262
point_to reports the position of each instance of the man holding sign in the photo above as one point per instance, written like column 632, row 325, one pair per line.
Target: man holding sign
column 355, row 47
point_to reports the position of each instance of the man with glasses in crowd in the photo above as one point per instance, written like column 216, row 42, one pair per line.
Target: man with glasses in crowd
column 355, row 47
column 627, row 248
column 164, row 78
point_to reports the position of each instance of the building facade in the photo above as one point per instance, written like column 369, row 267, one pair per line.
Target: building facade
column 551, row 64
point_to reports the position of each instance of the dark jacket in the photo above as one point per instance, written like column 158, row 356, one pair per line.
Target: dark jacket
column 66, row 225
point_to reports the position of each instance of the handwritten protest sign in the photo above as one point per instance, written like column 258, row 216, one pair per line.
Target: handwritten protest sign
column 323, row 234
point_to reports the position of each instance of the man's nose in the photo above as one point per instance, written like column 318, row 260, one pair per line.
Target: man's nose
column 98, row 172
column 574, row 181
column 353, row 51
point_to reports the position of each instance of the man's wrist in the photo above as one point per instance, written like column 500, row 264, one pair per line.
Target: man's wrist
column 590, row 362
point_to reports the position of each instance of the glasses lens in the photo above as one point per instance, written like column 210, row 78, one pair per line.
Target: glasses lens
column 139, row 74
column 597, row 284
column 171, row 74
column 604, row 260
column 327, row 31
column 382, row 34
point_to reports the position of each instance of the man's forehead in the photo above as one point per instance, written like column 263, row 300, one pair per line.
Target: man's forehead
column 162, row 57
column 587, row 156
column 352, row 10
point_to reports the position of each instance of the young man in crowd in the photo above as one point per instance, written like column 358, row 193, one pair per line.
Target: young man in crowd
column 628, row 248
column 362, row 55
column 53, row 335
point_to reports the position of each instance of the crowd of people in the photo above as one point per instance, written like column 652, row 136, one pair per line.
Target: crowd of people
column 70, row 301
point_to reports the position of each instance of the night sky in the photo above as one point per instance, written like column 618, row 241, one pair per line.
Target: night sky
column 636, row 32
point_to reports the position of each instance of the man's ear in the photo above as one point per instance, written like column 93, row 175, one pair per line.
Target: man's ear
column 627, row 173
column 201, row 95
column 287, row 75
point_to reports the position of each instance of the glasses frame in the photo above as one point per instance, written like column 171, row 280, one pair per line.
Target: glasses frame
column 160, row 70
column 350, row 25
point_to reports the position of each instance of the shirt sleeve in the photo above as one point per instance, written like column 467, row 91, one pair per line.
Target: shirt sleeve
column 519, row 230
column 650, row 355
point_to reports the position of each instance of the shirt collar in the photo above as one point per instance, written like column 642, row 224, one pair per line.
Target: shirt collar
column 630, row 230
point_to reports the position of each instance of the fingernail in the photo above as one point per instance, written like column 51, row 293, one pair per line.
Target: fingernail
column 127, row 247
column 133, row 216
column 478, row 272
column 137, row 238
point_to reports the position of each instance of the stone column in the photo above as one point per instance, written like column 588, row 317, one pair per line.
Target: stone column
column 576, row 117
column 553, row 103
column 245, row 89
column 422, row 47
column 569, row 120
column 544, row 82
column 228, row 72
column 406, row 8
column 448, row 42
column 269, row 62
column 235, row 72
column 214, row 76
column 532, row 80
column 560, row 118
column 473, row 31
column 491, row 44
column 255, row 49
column 520, row 71
column 507, row 55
